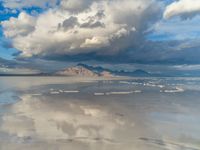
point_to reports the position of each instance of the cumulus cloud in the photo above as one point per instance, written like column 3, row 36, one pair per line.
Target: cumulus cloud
column 76, row 5
column 69, row 23
column 19, row 4
column 21, row 26
column 183, row 8
column 78, row 27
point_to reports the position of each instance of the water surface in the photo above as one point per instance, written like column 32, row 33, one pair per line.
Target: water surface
column 59, row 113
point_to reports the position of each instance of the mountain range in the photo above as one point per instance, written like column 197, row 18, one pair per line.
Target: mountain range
column 91, row 71
column 84, row 70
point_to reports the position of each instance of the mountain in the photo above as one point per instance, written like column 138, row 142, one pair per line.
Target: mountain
column 83, row 72
column 77, row 71
column 98, row 69
column 106, row 74
column 136, row 73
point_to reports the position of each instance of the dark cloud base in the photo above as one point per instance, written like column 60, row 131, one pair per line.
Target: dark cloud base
column 163, row 53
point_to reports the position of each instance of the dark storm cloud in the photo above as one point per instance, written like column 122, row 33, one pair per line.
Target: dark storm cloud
column 166, row 53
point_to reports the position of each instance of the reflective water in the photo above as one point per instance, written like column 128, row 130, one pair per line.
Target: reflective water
column 59, row 113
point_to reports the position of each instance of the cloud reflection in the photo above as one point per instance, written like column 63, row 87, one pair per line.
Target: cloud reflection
column 41, row 118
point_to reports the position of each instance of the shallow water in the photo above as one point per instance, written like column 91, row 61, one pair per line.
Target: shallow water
column 59, row 113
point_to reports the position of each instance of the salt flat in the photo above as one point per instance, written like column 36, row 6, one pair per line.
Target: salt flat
column 96, row 114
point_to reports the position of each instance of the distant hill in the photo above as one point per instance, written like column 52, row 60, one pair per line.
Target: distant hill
column 83, row 71
column 77, row 71
column 136, row 73
column 98, row 69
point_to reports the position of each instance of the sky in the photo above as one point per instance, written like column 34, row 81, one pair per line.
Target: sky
column 49, row 35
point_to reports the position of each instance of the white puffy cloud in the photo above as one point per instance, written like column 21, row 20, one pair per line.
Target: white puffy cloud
column 76, row 5
column 20, row 26
column 18, row 4
column 183, row 8
column 95, row 41
column 99, row 26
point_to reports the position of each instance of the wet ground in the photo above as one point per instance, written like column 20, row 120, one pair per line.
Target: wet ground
column 59, row 113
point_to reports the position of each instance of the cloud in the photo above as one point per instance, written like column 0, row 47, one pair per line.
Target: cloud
column 21, row 26
column 20, row 71
column 63, row 121
column 15, row 67
column 76, row 5
column 100, row 27
column 117, row 31
column 182, row 8
column 174, row 29
column 19, row 4
column 69, row 23
column 6, row 63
